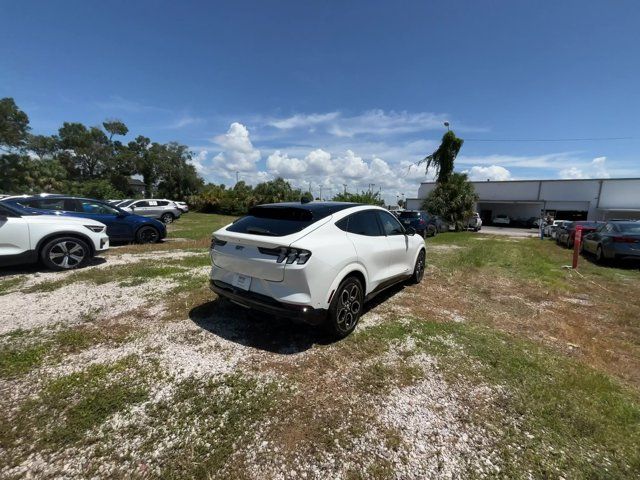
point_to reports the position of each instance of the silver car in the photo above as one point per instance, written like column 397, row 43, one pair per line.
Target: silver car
column 164, row 210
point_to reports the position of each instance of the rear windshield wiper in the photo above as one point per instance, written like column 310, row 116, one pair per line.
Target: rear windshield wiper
column 260, row 231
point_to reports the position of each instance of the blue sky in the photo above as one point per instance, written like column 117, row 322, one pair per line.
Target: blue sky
column 334, row 92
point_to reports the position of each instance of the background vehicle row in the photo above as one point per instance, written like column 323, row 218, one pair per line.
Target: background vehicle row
column 122, row 226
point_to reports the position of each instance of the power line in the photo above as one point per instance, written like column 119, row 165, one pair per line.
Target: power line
column 587, row 139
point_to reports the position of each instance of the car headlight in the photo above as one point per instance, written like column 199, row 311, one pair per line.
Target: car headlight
column 95, row 228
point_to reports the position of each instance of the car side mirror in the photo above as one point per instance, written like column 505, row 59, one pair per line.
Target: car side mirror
column 410, row 231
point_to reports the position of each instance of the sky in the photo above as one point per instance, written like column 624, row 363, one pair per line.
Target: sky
column 341, row 94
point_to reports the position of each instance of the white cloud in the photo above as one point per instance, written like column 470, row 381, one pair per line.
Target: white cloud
column 492, row 172
column 300, row 120
column 185, row 121
column 285, row 166
column 198, row 161
column 352, row 166
column 595, row 169
column 319, row 161
column 238, row 151
column 371, row 122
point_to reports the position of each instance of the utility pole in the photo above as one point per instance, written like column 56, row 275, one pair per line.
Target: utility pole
column 371, row 185
column 345, row 188
column 237, row 176
column 320, row 192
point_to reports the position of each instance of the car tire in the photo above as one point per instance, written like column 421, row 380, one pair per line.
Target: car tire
column 569, row 243
column 167, row 218
column 65, row 253
column 346, row 307
column 147, row 234
column 418, row 269
column 600, row 258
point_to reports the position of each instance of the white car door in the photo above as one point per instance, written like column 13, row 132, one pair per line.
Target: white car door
column 399, row 261
column 364, row 231
column 14, row 233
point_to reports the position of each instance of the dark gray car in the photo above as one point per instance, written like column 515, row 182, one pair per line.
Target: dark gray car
column 614, row 240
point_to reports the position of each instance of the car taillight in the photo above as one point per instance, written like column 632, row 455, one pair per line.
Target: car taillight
column 216, row 242
column 422, row 222
column 625, row 240
column 291, row 255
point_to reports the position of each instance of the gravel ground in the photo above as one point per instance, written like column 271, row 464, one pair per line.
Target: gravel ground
column 437, row 437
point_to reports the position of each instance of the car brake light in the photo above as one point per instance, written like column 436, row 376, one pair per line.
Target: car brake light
column 422, row 222
column 217, row 242
column 291, row 255
column 625, row 240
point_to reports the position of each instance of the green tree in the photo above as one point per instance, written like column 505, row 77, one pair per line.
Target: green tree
column 443, row 158
column 115, row 127
column 178, row 178
column 85, row 151
column 278, row 190
column 14, row 125
column 368, row 198
column 453, row 200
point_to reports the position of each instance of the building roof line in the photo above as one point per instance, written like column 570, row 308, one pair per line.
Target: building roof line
column 546, row 180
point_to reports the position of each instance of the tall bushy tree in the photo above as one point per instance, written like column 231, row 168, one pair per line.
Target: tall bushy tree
column 443, row 158
column 453, row 200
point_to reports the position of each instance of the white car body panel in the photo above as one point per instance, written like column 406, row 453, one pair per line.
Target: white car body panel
column 23, row 234
column 335, row 254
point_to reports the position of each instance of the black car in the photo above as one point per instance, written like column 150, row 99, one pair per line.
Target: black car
column 423, row 223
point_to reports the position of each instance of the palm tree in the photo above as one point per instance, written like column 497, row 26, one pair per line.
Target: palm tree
column 442, row 159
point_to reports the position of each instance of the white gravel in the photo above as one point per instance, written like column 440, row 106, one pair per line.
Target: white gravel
column 75, row 303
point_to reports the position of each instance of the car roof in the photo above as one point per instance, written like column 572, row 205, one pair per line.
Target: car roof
column 316, row 210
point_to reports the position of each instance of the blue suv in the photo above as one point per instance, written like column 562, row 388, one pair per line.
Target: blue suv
column 121, row 226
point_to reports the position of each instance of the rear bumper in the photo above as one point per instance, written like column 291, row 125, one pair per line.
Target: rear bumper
column 263, row 303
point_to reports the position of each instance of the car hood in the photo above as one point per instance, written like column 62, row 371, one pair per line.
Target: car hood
column 61, row 220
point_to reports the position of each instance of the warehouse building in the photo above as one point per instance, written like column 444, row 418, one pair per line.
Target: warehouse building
column 583, row 199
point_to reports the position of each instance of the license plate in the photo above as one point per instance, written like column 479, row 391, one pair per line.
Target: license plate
column 242, row 282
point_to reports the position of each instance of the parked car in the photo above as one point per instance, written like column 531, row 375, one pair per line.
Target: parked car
column 551, row 229
column 317, row 262
column 614, row 240
column 164, row 210
column 475, row 222
column 182, row 206
column 567, row 234
column 59, row 242
column 122, row 226
column 501, row 220
column 421, row 222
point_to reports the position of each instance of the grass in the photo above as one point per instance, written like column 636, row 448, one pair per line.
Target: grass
column 211, row 418
column 589, row 420
column 22, row 351
column 11, row 284
column 68, row 407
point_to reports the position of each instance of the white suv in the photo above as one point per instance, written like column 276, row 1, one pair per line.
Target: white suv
column 60, row 242
column 316, row 262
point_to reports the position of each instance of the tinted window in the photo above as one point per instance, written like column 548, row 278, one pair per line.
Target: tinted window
column 141, row 204
column 409, row 214
column 162, row 203
column 364, row 223
column 96, row 208
column 631, row 227
column 273, row 221
column 390, row 224
column 58, row 204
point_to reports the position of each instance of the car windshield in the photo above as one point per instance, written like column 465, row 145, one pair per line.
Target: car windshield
column 630, row 227
column 125, row 204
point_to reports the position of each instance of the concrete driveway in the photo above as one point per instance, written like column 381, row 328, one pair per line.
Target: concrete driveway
column 509, row 231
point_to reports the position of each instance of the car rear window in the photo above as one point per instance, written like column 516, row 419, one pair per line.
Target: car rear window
column 409, row 214
column 273, row 221
column 631, row 227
